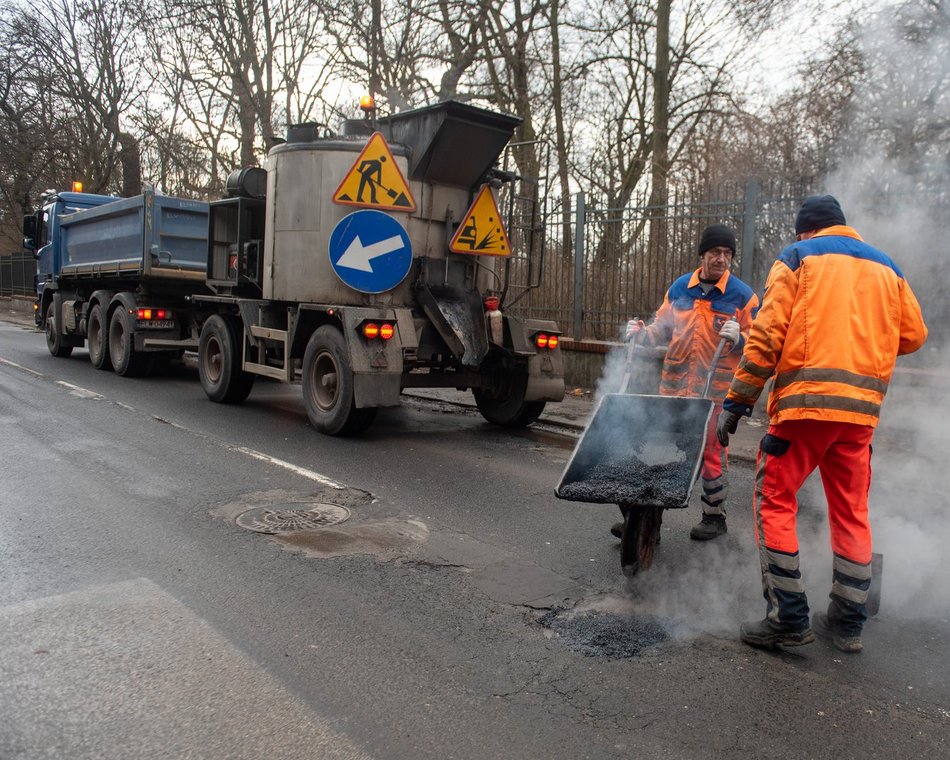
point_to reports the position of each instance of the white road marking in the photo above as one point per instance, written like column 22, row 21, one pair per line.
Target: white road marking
column 304, row 472
column 20, row 367
column 76, row 390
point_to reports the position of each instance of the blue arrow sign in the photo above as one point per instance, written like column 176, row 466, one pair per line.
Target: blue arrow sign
column 370, row 251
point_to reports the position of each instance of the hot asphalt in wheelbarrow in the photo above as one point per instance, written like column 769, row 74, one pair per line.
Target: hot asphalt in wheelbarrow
column 639, row 450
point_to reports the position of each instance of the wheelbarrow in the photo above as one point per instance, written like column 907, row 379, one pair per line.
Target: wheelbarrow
column 644, row 453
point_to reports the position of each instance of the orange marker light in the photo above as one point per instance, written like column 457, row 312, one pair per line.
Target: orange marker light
column 77, row 186
column 386, row 331
column 367, row 103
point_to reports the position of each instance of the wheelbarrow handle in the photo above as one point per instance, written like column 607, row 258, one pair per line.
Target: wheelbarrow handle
column 712, row 366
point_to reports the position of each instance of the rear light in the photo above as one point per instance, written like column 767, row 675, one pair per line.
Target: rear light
column 150, row 314
column 386, row 331
column 370, row 330
column 491, row 303
column 543, row 340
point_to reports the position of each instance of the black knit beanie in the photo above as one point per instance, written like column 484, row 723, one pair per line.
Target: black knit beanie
column 716, row 235
column 818, row 212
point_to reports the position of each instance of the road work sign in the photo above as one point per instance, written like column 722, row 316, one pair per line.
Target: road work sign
column 375, row 181
column 481, row 230
column 370, row 251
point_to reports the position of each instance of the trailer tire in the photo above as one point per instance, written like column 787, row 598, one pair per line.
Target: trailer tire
column 97, row 334
column 328, row 385
column 219, row 361
column 54, row 339
column 126, row 361
column 504, row 403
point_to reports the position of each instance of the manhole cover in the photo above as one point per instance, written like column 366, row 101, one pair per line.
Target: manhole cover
column 271, row 520
column 605, row 634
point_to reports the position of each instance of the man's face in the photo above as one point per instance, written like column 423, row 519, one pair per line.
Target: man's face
column 715, row 262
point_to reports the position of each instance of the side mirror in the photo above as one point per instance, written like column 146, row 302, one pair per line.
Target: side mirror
column 29, row 232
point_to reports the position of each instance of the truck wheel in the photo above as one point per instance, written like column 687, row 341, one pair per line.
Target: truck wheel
column 219, row 361
column 54, row 339
column 126, row 361
column 328, row 386
column 504, row 403
column 98, row 336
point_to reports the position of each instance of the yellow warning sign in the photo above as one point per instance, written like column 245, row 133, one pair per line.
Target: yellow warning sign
column 374, row 181
column 482, row 231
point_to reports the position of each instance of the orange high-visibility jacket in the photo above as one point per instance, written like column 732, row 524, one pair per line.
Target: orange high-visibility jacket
column 836, row 314
column 689, row 321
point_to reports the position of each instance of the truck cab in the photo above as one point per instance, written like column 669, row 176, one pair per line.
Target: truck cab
column 41, row 233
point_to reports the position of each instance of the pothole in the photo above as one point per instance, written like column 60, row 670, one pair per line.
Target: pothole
column 604, row 634
column 383, row 538
column 292, row 518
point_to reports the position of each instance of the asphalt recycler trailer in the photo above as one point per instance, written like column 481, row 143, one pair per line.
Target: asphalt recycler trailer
column 359, row 265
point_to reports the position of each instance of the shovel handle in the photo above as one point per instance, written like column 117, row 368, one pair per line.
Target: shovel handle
column 712, row 366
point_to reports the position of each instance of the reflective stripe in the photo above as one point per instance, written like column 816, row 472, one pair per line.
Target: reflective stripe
column 854, row 570
column 782, row 560
column 822, row 375
column 780, row 583
column 841, row 403
column 754, row 369
column 714, row 485
column 760, row 537
column 850, row 593
column 742, row 388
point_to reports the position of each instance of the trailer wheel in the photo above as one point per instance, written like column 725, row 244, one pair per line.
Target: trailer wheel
column 54, row 339
column 328, row 385
column 640, row 535
column 98, row 336
column 126, row 361
column 219, row 361
column 504, row 404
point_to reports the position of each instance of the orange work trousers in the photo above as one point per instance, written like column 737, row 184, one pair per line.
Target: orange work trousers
column 788, row 454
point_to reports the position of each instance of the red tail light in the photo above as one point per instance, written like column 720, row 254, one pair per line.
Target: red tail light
column 386, row 331
column 370, row 330
column 148, row 314
column 491, row 303
column 553, row 341
column 542, row 340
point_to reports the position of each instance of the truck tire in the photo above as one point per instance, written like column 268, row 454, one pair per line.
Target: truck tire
column 328, row 385
column 97, row 334
column 54, row 339
column 126, row 361
column 219, row 361
column 504, row 403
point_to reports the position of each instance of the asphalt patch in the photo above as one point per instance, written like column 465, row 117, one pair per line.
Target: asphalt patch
column 605, row 634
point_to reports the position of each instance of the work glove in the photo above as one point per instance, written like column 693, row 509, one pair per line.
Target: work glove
column 634, row 326
column 726, row 426
column 730, row 331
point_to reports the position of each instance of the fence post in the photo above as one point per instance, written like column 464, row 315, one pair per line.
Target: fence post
column 749, row 212
column 580, row 213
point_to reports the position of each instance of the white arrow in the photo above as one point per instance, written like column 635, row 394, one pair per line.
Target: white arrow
column 357, row 255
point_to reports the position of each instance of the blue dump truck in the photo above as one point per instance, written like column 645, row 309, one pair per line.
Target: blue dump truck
column 349, row 264
column 120, row 274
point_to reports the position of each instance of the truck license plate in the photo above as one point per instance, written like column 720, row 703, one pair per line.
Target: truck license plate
column 160, row 324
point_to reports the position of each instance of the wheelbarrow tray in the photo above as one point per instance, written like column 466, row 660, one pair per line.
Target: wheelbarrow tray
column 639, row 450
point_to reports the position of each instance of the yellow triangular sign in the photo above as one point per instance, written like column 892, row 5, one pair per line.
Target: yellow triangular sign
column 374, row 180
column 481, row 230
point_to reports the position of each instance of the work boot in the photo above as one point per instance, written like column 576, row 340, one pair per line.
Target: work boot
column 827, row 630
column 765, row 634
column 709, row 527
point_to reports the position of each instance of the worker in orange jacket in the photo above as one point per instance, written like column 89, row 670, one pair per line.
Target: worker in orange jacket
column 700, row 309
column 835, row 316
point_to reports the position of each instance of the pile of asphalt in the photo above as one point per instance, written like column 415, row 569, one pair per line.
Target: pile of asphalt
column 605, row 634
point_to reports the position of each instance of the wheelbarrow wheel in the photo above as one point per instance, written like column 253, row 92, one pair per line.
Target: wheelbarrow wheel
column 640, row 535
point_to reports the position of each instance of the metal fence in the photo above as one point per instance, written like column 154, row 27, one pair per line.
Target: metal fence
column 16, row 274
column 603, row 266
